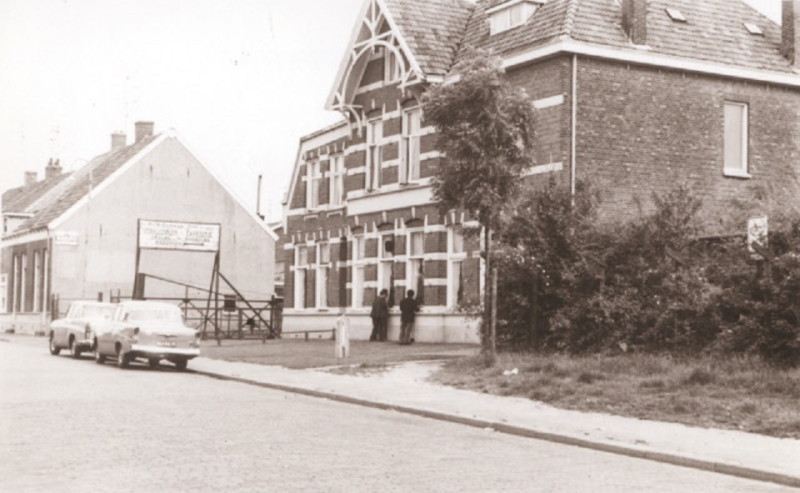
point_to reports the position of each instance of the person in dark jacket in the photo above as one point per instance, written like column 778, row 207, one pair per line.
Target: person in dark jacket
column 408, row 312
column 380, row 317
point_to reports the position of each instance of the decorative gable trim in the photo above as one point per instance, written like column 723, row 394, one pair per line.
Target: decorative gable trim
column 367, row 37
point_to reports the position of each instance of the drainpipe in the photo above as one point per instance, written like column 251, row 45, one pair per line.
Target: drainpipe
column 574, row 101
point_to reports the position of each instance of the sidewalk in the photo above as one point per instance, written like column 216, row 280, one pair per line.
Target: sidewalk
column 404, row 388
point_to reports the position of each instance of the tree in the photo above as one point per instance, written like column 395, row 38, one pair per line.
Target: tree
column 485, row 130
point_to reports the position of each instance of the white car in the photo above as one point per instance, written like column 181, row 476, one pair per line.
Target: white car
column 148, row 330
column 75, row 330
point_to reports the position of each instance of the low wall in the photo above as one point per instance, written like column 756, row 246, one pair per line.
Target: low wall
column 24, row 323
column 429, row 327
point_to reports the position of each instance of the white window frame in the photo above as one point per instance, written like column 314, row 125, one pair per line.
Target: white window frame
column 24, row 285
column 391, row 67
column 3, row 293
column 45, row 281
column 414, row 260
column 510, row 15
column 386, row 262
column 321, row 281
column 37, row 277
column 300, row 276
column 456, row 254
column 741, row 168
column 374, row 154
column 410, row 148
column 337, row 180
column 313, row 181
column 359, row 261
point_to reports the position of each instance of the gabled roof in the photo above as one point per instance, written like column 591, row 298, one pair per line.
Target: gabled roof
column 714, row 31
column 79, row 184
column 18, row 200
column 432, row 29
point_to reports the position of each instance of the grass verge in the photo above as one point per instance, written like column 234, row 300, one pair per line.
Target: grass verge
column 739, row 394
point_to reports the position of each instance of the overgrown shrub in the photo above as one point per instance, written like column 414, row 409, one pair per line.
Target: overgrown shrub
column 649, row 285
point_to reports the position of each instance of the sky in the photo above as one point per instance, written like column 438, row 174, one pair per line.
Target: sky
column 239, row 80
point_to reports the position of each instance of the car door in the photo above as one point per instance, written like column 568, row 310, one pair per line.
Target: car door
column 61, row 327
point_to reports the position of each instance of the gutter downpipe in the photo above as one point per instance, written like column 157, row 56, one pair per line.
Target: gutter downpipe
column 573, row 98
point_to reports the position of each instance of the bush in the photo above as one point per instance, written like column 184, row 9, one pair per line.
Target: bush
column 647, row 286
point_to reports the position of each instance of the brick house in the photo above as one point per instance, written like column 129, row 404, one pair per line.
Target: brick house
column 75, row 235
column 633, row 96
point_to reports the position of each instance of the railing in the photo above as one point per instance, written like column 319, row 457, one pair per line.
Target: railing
column 258, row 319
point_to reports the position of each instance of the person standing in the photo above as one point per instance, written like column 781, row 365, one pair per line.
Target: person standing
column 380, row 317
column 408, row 312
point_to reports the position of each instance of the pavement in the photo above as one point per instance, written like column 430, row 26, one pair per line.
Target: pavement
column 405, row 388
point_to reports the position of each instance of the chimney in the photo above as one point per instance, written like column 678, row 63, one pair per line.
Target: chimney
column 52, row 170
column 143, row 130
column 634, row 20
column 30, row 177
column 118, row 140
column 790, row 38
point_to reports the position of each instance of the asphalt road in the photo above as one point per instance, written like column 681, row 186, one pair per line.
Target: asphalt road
column 70, row 425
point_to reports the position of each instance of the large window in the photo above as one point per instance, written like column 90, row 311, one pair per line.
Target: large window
column 386, row 254
column 323, row 264
column 374, row 141
column 416, row 251
column 337, row 180
column 409, row 162
column 313, row 181
column 357, row 286
column 391, row 67
column 37, row 279
column 456, row 256
column 736, row 139
column 300, row 268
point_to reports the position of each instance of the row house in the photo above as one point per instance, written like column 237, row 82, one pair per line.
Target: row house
column 632, row 96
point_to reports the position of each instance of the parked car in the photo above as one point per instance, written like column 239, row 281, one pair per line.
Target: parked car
column 75, row 331
column 147, row 330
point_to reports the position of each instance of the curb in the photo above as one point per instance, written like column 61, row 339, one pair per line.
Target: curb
column 667, row 458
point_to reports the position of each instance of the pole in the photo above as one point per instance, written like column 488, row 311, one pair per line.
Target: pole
column 216, row 307
column 493, row 332
column 258, row 197
column 138, row 255
column 534, row 329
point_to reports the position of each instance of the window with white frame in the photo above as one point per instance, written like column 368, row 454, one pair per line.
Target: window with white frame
column 357, row 286
column 391, row 66
column 455, row 255
column 337, row 180
column 23, row 305
column 736, row 139
column 510, row 14
column 323, row 264
column 37, row 279
column 410, row 146
column 416, row 252
column 386, row 255
column 313, row 181
column 374, row 141
column 3, row 293
column 300, row 268
column 45, row 281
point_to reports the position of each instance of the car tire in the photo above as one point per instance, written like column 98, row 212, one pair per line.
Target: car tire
column 123, row 359
column 153, row 363
column 99, row 358
column 54, row 350
column 73, row 346
column 180, row 364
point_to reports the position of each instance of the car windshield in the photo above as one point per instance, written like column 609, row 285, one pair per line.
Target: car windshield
column 98, row 312
column 163, row 314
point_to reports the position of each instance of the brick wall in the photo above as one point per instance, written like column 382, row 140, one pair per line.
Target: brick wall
column 642, row 129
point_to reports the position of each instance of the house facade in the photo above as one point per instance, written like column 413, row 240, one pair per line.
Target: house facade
column 632, row 96
column 76, row 235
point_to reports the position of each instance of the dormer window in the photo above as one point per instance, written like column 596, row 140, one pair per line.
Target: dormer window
column 753, row 29
column 676, row 15
column 511, row 14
